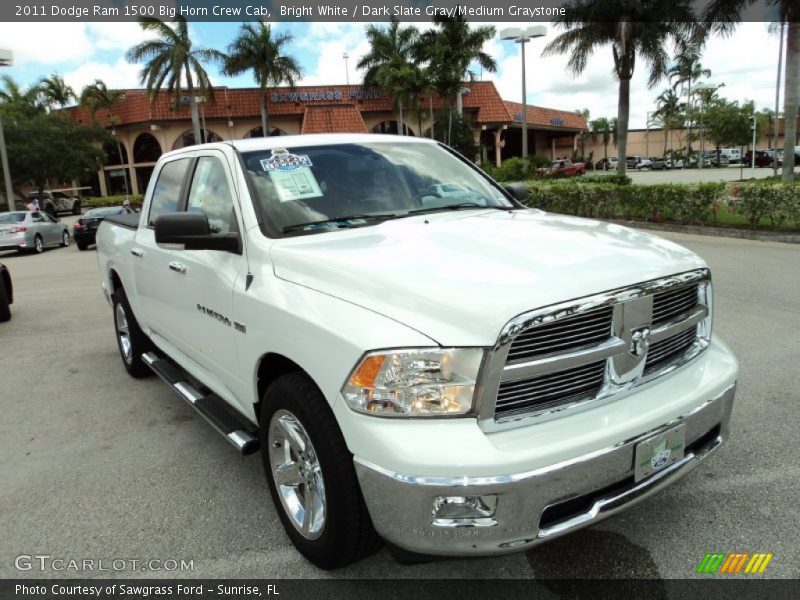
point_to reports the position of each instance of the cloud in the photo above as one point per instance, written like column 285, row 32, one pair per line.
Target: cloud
column 118, row 75
column 56, row 44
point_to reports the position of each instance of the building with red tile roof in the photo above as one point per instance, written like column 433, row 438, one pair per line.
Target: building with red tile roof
column 148, row 127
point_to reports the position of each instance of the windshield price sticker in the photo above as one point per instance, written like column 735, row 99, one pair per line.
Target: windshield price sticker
column 291, row 175
column 285, row 162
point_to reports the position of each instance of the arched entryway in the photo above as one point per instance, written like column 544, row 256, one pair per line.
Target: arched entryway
column 146, row 151
column 187, row 138
column 391, row 127
column 116, row 168
column 256, row 132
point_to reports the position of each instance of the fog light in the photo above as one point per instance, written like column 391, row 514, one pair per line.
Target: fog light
column 464, row 511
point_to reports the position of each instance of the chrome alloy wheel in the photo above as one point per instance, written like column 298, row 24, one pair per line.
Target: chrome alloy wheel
column 123, row 333
column 297, row 474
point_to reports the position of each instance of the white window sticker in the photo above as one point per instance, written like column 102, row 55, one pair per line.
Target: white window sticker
column 291, row 174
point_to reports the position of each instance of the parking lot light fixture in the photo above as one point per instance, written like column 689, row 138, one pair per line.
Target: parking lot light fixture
column 522, row 35
column 6, row 60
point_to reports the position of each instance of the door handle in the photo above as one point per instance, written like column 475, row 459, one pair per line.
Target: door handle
column 137, row 252
column 177, row 267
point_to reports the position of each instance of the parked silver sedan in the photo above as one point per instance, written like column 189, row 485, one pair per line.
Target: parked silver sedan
column 31, row 231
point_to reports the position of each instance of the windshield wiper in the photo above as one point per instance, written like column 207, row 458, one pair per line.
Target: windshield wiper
column 457, row 206
column 341, row 222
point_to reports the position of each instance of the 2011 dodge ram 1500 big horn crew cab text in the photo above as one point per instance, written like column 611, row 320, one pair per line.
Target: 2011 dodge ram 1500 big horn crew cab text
column 455, row 374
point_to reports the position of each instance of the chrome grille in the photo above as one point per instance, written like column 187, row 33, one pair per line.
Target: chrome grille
column 544, row 391
column 663, row 351
column 674, row 303
column 579, row 352
column 585, row 329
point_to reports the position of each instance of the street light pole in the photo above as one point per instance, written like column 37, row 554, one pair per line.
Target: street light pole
column 521, row 37
column 6, row 60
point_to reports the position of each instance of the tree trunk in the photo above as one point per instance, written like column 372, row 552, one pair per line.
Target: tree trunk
column 121, row 159
column 430, row 109
column 401, row 129
column 623, row 113
column 264, row 115
column 193, row 107
column 665, row 142
column 791, row 99
column 689, row 114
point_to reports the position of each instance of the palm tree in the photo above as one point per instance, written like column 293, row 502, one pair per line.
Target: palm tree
column 632, row 28
column 669, row 113
column 96, row 96
column 25, row 101
column 722, row 16
column 170, row 58
column 686, row 71
column 55, row 91
column 388, row 62
column 601, row 128
column 257, row 50
column 585, row 114
column 450, row 49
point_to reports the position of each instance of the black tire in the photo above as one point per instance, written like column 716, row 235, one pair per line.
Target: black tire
column 5, row 308
column 64, row 239
column 139, row 342
column 347, row 534
column 76, row 207
column 82, row 245
column 38, row 244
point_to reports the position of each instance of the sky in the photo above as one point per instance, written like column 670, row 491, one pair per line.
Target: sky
column 745, row 62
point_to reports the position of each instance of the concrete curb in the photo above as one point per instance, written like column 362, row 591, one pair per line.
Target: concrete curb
column 743, row 234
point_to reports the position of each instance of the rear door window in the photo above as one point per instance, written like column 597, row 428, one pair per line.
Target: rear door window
column 167, row 193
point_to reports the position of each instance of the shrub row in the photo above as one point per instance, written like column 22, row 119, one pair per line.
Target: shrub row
column 98, row 201
column 775, row 206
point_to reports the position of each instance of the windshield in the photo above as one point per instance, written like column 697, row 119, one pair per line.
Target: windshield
column 13, row 217
column 103, row 212
column 319, row 188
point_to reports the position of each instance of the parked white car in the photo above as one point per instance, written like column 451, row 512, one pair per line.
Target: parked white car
column 465, row 378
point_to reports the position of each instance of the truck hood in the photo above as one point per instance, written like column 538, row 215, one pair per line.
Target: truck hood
column 458, row 278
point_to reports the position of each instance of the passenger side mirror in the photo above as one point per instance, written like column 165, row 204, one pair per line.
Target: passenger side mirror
column 519, row 191
column 192, row 231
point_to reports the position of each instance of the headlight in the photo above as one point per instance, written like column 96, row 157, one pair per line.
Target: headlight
column 415, row 383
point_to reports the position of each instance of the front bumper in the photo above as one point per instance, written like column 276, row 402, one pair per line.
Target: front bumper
column 534, row 506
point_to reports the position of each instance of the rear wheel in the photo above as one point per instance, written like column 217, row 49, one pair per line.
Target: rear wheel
column 5, row 309
column 311, row 476
column 82, row 245
column 76, row 207
column 65, row 239
column 38, row 244
column 131, row 340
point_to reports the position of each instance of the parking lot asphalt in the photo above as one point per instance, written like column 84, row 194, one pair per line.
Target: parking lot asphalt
column 97, row 465
column 731, row 173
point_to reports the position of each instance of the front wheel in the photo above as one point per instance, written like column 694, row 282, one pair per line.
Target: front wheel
column 311, row 476
column 82, row 245
column 64, row 239
column 131, row 340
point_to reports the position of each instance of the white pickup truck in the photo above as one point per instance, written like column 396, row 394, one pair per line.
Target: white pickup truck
column 451, row 375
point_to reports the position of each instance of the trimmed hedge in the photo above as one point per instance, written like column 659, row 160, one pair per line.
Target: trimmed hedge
column 98, row 201
column 774, row 206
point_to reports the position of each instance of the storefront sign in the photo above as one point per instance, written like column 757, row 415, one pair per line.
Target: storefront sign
column 329, row 95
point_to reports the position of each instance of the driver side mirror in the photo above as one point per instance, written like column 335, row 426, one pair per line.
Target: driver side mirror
column 192, row 231
column 519, row 191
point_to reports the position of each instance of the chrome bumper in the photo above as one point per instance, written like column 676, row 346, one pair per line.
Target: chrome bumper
column 538, row 505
